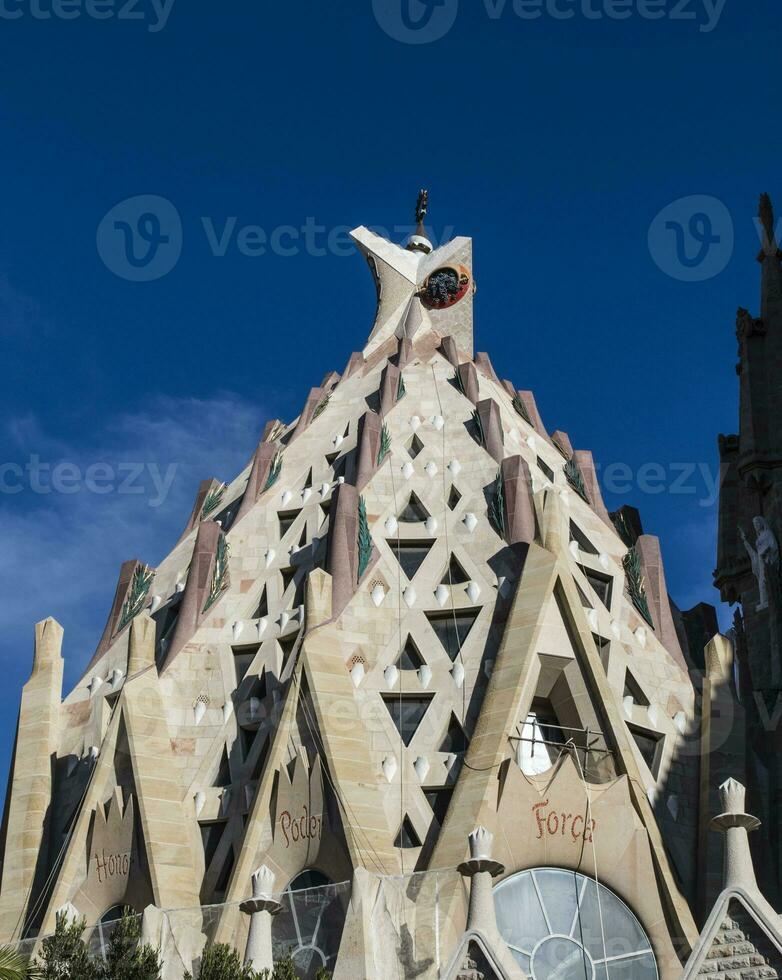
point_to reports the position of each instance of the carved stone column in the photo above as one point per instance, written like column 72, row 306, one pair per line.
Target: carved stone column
column 261, row 908
column 480, row 869
column 735, row 824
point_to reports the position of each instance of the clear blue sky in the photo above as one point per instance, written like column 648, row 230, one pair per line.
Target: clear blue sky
column 553, row 142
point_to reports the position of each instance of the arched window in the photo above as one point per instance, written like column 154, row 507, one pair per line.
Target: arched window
column 310, row 925
column 561, row 925
column 102, row 933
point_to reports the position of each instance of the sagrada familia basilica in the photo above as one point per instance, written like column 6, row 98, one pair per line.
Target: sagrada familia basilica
column 406, row 700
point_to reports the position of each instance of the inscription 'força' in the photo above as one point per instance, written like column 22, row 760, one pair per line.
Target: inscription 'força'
column 305, row 827
column 553, row 823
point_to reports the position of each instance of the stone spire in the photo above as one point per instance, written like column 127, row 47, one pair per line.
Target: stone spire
column 420, row 241
column 769, row 258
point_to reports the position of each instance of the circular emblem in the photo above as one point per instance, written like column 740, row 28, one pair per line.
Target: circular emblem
column 445, row 287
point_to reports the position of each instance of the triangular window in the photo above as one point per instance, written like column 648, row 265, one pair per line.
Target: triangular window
column 453, row 628
column 225, row 874
column 223, row 777
column 286, row 521
column 545, row 470
column 263, row 606
column 633, row 690
column 455, row 574
column 577, row 535
column 453, row 498
column 602, row 585
column 410, row 658
column 243, row 658
column 414, row 512
column 308, row 481
column 286, row 645
column 455, row 740
column 438, row 800
column 407, row 713
column 247, row 737
column 407, row 837
column 211, row 833
column 287, row 575
column 410, row 554
column 650, row 746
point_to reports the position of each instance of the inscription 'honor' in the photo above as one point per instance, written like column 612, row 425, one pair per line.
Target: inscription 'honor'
column 112, row 866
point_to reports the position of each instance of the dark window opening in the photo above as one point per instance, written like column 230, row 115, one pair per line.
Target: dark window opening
column 410, row 554
column 583, row 542
column 455, row 574
column 407, row 837
column 439, row 800
column 415, row 447
column 633, row 689
column 453, row 628
column 243, row 658
column 223, row 777
column 286, row 521
column 414, row 512
column 455, row 739
column 546, row 470
column 453, row 498
column 650, row 745
column 407, row 713
column 210, row 838
column 410, row 658
column 602, row 585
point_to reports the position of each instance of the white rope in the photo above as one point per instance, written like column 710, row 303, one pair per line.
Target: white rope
column 594, row 848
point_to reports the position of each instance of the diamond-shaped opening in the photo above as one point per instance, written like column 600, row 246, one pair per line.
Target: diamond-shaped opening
column 331, row 457
column 407, row 712
column 577, row 535
column 407, row 837
column 633, row 689
column 453, row 498
column 410, row 554
column 286, row 520
column 439, row 800
column 410, row 658
column 263, row 606
column 243, row 658
column 455, row 739
column 223, row 777
column 325, row 509
column 415, row 447
column 453, row 628
column 414, row 511
column 602, row 585
column 455, row 574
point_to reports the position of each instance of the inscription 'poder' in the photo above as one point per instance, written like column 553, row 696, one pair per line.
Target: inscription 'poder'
column 305, row 827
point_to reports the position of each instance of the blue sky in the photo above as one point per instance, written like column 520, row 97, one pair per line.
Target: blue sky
column 554, row 142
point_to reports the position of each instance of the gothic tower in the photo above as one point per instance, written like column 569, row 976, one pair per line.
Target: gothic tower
column 409, row 617
column 750, row 522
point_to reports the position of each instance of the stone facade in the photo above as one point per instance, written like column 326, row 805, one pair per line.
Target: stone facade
column 409, row 617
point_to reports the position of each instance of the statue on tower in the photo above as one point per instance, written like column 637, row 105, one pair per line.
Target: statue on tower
column 765, row 560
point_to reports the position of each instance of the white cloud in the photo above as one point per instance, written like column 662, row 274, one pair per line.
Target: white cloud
column 63, row 549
